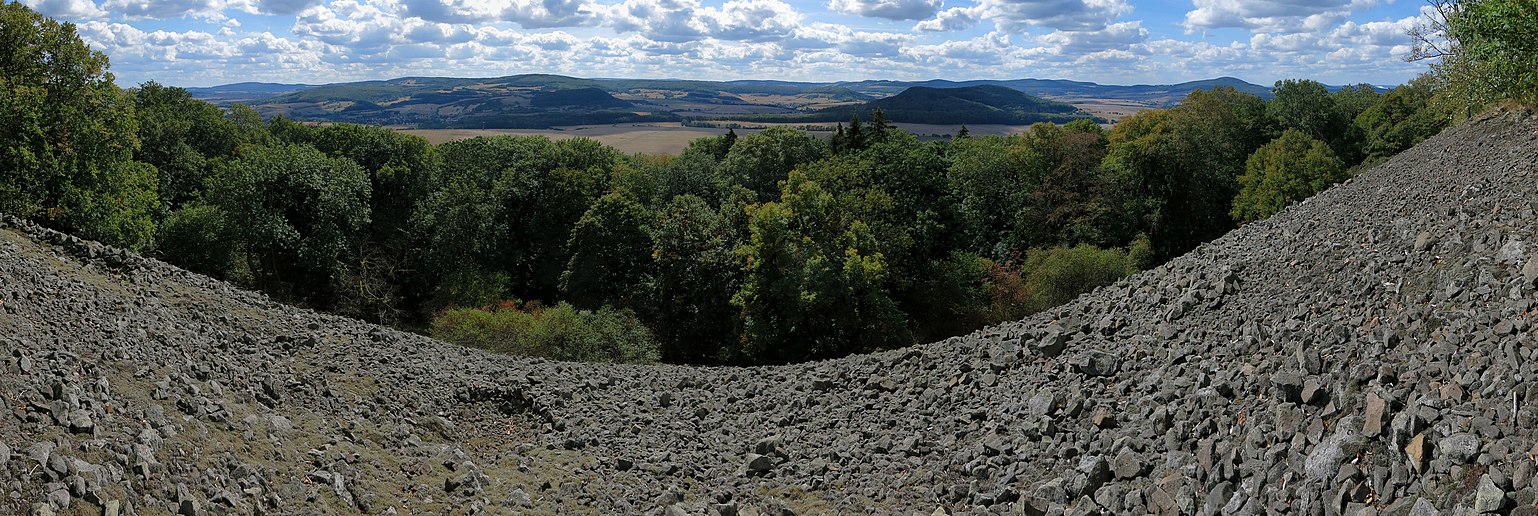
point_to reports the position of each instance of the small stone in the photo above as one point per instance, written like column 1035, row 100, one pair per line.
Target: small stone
column 1127, row 465
column 1052, row 344
column 80, row 422
column 1424, row 241
column 1324, row 462
column 1312, row 393
column 1416, row 451
column 1530, row 270
column 623, row 464
column 759, row 463
column 1376, row 410
column 1103, row 418
column 1489, row 497
column 1462, row 448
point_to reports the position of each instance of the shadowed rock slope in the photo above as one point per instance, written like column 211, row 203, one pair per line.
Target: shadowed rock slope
column 1369, row 349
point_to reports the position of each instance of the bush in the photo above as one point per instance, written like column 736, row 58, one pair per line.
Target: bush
column 1057, row 275
column 196, row 238
column 560, row 332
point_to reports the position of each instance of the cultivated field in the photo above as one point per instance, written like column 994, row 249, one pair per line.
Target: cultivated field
column 672, row 137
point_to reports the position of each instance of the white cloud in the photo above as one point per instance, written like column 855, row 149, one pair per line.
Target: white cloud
column 1018, row 15
column 889, row 9
column 1266, row 15
column 953, row 19
column 67, row 9
column 1119, row 36
column 162, row 9
column 677, row 21
column 532, row 14
column 271, row 7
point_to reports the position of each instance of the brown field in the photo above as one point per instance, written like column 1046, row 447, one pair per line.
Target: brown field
column 672, row 137
column 657, row 138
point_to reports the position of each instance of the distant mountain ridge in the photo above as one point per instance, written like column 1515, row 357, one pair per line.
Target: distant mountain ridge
column 546, row 100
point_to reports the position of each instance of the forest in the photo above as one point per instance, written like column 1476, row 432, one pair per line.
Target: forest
column 781, row 246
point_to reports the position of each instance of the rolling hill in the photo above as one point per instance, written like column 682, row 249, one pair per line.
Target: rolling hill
column 541, row 100
column 984, row 104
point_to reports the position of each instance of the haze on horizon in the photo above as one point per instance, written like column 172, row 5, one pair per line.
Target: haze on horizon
column 210, row 42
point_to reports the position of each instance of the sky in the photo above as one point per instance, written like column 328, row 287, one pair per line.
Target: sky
column 193, row 43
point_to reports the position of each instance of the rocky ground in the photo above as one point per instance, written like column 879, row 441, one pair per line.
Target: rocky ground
column 1364, row 352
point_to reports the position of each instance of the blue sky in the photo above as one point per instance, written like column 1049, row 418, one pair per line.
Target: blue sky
column 209, row 42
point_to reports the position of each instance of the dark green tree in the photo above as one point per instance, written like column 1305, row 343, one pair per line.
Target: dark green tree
column 300, row 215
column 697, row 273
column 68, row 135
column 814, row 286
column 179, row 135
column 611, row 255
column 760, row 161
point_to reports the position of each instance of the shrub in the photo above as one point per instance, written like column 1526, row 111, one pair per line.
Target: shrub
column 561, row 332
column 1057, row 275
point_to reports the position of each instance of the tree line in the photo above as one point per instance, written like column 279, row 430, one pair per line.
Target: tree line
column 774, row 247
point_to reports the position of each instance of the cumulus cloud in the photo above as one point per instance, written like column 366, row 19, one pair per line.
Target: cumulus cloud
column 953, row 19
column 889, row 9
column 67, row 9
column 1018, row 15
column 161, row 9
column 1118, row 36
column 676, row 21
column 274, row 7
column 1266, row 15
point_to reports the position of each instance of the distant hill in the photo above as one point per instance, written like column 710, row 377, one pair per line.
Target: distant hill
column 1152, row 95
column 986, row 104
column 244, row 91
column 544, row 100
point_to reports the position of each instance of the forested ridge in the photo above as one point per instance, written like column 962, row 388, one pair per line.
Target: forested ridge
column 768, row 248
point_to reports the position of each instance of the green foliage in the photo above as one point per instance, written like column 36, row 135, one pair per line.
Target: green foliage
column 561, row 332
column 692, row 173
column 1484, row 52
column 506, row 205
column 760, row 161
column 611, row 250
column 1179, row 168
column 1498, row 38
column 67, row 135
column 1289, row 169
column 1306, row 106
column 1400, row 119
column 179, row 135
column 400, row 167
column 697, row 273
column 814, row 287
column 300, row 213
column 197, row 237
column 1059, row 274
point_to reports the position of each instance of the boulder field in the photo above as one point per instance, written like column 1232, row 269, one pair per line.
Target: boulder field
column 1371, row 350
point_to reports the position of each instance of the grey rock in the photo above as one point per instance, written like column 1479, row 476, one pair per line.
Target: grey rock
column 758, row 463
column 1461, row 448
column 1324, row 462
column 1051, row 344
column 1127, row 464
column 1488, row 497
column 1423, row 507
